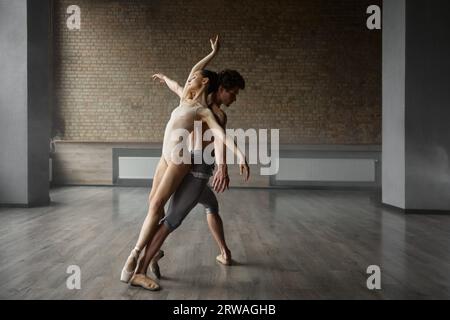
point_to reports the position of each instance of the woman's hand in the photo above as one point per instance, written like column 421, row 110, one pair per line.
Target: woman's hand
column 159, row 76
column 215, row 44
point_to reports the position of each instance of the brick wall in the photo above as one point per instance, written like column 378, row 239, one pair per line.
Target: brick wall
column 313, row 69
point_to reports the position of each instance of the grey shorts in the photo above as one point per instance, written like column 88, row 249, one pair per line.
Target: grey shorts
column 193, row 190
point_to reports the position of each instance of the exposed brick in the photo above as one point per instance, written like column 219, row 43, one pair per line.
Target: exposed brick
column 313, row 70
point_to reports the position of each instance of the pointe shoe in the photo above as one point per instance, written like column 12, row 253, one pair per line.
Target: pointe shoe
column 154, row 267
column 140, row 280
column 126, row 275
column 222, row 260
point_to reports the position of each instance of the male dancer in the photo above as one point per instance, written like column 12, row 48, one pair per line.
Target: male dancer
column 193, row 189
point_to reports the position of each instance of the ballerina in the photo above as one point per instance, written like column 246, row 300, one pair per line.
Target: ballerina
column 170, row 170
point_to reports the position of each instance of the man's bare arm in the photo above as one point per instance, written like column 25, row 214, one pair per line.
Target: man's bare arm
column 221, row 180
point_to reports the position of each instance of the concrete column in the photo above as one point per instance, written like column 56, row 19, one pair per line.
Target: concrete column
column 393, row 101
column 24, row 101
column 416, row 104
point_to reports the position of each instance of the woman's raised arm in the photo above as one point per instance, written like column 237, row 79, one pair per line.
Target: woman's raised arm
column 204, row 62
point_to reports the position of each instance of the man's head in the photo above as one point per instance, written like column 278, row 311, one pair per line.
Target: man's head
column 229, row 84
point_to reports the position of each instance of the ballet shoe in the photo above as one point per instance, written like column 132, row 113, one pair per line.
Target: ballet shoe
column 154, row 266
column 141, row 280
column 126, row 275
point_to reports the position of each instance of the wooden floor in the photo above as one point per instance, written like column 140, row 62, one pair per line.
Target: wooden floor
column 289, row 244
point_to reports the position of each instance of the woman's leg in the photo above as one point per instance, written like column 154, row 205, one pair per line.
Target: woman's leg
column 168, row 183
column 130, row 265
column 159, row 173
column 209, row 201
column 183, row 201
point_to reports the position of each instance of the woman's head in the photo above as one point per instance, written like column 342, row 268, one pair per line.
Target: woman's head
column 213, row 80
column 204, row 78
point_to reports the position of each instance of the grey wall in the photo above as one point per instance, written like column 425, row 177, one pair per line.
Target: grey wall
column 39, row 79
column 393, row 97
column 428, row 104
column 24, row 102
column 416, row 104
column 13, row 102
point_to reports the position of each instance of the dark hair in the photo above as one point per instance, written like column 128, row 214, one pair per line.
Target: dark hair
column 230, row 79
column 213, row 77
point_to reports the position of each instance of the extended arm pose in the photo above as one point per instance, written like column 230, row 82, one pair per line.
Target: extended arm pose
column 170, row 172
column 194, row 189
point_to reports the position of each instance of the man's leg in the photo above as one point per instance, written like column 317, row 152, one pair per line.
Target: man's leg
column 152, row 249
column 154, row 266
column 216, row 227
column 183, row 201
column 209, row 201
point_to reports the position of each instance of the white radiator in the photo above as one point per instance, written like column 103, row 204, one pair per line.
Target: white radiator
column 137, row 167
column 336, row 170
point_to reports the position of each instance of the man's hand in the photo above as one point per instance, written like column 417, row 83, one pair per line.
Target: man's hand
column 159, row 76
column 244, row 169
column 221, row 179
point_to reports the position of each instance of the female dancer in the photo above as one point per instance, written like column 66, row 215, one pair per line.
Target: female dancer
column 170, row 172
column 193, row 188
